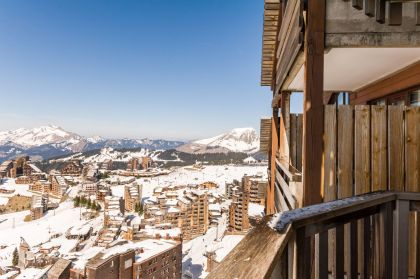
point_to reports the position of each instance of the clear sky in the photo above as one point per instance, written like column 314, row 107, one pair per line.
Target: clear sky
column 175, row 69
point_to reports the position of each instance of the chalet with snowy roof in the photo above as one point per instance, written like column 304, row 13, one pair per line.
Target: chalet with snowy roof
column 344, row 180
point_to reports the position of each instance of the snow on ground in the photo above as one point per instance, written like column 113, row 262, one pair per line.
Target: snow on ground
column 12, row 227
column 3, row 200
column 182, row 176
column 10, row 184
column 32, row 273
column 255, row 210
column 194, row 259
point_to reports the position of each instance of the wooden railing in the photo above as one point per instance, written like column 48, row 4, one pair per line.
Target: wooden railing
column 294, row 244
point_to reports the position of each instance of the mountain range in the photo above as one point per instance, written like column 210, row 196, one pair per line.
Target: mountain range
column 45, row 142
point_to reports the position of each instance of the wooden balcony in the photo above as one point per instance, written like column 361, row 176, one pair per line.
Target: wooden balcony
column 370, row 235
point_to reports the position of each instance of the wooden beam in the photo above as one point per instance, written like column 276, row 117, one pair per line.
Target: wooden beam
column 404, row 79
column 284, row 137
column 270, row 207
column 400, row 260
column 313, row 111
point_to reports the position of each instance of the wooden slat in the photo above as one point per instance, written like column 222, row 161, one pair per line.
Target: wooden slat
column 367, row 247
column 299, row 137
column 379, row 148
column 293, row 126
column 396, row 148
column 362, row 149
column 330, row 173
column 330, row 156
column 345, row 151
column 412, row 148
column 418, row 245
column 305, row 257
column 353, row 251
column 400, row 260
column 412, row 172
column 323, row 255
column 395, row 13
column 339, row 251
column 285, row 188
column 369, row 7
column 380, row 10
column 417, row 13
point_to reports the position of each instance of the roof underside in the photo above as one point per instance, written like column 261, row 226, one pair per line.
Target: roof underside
column 271, row 18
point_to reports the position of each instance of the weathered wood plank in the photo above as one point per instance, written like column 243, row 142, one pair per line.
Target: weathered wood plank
column 379, row 148
column 412, row 147
column 345, row 126
column 362, row 149
column 396, row 148
column 255, row 256
column 417, row 13
column 330, row 139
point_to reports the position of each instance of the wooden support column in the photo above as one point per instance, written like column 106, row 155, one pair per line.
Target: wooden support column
column 284, row 136
column 270, row 206
column 313, row 110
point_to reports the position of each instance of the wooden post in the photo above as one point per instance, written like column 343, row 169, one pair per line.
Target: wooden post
column 400, row 260
column 313, row 110
column 284, row 136
column 270, row 206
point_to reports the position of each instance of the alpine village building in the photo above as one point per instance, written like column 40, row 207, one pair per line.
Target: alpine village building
column 344, row 173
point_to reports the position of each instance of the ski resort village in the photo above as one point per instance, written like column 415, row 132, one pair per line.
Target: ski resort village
column 126, row 212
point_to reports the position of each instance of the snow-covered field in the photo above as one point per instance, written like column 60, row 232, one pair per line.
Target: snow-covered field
column 184, row 176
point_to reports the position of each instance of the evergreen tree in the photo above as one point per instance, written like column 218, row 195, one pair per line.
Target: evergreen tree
column 140, row 211
column 136, row 207
column 98, row 207
column 76, row 201
column 83, row 201
column 88, row 204
column 15, row 259
column 93, row 206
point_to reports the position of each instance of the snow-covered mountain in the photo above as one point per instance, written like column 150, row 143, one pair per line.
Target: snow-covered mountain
column 244, row 140
column 50, row 141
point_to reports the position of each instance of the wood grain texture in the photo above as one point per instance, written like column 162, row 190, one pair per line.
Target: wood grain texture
column 379, row 148
column 362, row 149
column 345, row 150
column 396, row 148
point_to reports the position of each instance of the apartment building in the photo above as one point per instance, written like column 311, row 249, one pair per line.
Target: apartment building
column 132, row 196
column 5, row 168
column 39, row 205
column 147, row 259
column 72, row 168
column 238, row 212
column 58, row 185
column 256, row 186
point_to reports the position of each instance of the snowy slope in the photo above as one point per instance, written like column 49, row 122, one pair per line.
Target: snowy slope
column 244, row 140
column 50, row 141
column 38, row 136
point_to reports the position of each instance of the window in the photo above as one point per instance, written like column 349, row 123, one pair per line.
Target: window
column 415, row 98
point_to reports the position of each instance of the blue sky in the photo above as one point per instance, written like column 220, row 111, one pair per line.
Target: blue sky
column 128, row 68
